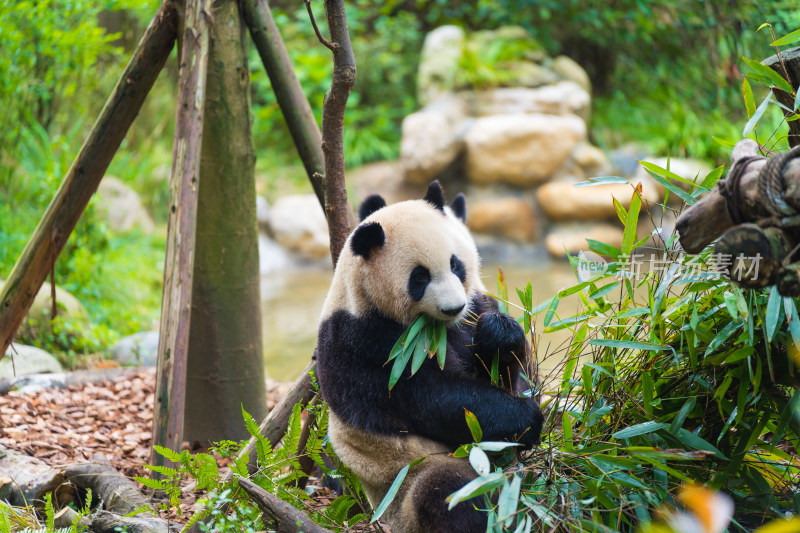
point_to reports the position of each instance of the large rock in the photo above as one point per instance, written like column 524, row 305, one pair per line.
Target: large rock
column 572, row 236
column 37, row 321
column 562, row 201
column 298, row 224
column 139, row 349
column 27, row 360
column 592, row 160
column 386, row 177
column 439, row 62
column 432, row 138
column 121, row 208
column 568, row 69
column 563, row 98
column 511, row 218
column 521, row 150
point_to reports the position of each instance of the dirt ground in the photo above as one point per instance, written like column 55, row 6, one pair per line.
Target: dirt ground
column 114, row 418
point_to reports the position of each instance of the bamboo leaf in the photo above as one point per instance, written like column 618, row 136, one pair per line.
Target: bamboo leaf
column 773, row 312
column 629, row 233
column 631, row 345
column 392, row 492
column 787, row 39
column 749, row 101
column 508, row 501
column 479, row 461
column 496, row 446
column 441, row 350
column 474, row 426
column 502, row 292
column 476, row 487
column 602, row 180
column 751, row 124
column 639, row 429
column 767, row 73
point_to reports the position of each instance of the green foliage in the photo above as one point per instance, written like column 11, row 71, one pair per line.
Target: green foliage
column 425, row 337
column 228, row 508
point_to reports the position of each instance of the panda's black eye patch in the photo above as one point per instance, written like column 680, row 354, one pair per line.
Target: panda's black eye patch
column 418, row 281
column 457, row 267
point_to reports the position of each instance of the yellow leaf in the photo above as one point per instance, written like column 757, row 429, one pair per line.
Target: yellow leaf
column 781, row 526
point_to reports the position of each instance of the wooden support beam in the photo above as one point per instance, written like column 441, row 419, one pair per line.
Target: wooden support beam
column 173, row 340
column 86, row 171
column 293, row 103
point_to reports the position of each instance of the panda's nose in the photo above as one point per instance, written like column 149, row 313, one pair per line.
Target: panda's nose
column 454, row 311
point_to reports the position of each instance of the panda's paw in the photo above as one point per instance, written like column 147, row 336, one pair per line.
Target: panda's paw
column 529, row 435
column 499, row 333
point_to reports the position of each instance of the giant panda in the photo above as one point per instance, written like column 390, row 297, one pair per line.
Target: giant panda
column 404, row 259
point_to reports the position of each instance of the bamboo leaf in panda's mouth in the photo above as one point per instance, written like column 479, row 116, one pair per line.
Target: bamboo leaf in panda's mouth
column 424, row 337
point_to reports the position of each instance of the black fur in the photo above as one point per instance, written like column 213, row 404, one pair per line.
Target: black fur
column 353, row 377
column 371, row 203
column 430, row 491
column 366, row 237
column 459, row 207
column 457, row 268
column 435, row 195
column 418, row 281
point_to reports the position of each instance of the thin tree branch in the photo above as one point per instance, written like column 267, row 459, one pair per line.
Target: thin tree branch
column 323, row 40
column 289, row 519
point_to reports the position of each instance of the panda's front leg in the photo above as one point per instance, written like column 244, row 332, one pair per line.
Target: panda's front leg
column 499, row 335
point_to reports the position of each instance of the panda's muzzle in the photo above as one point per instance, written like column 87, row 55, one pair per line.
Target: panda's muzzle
column 454, row 311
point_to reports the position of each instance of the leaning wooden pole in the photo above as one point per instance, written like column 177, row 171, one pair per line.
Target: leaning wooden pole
column 173, row 340
column 86, row 171
column 293, row 103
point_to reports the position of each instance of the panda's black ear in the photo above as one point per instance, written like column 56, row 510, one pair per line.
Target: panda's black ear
column 435, row 195
column 459, row 207
column 366, row 237
column 371, row 203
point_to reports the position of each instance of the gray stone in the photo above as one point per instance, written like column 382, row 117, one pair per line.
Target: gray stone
column 139, row 349
column 271, row 257
column 563, row 98
column 27, row 360
column 438, row 65
column 592, row 160
column 432, row 138
column 568, row 69
column 510, row 218
column 298, row 224
column 121, row 208
column 521, row 150
column 37, row 321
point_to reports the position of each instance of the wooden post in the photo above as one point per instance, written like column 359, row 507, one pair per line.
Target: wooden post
column 293, row 103
column 86, row 171
column 787, row 65
column 173, row 340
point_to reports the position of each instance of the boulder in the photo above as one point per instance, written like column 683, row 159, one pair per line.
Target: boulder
column 438, row 64
column 27, row 360
column 386, row 177
column 121, row 208
column 521, row 150
column 432, row 139
column 562, row 201
column 563, row 98
column 511, row 218
column 139, row 349
column 271, row 257
column 37, row 321
column 298, row 224
column 572, row 236
column 592, row 160
column 567, row 69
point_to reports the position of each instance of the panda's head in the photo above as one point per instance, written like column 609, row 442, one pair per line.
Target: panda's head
column 411, row 258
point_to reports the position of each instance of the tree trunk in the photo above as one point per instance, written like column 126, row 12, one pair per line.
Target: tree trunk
column 225, row 369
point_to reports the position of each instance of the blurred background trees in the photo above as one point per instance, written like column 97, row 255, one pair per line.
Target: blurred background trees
column 665, row 74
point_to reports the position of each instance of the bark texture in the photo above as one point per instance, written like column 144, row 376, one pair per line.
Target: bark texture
column 173, row 340
column 84, row 175
column 787, row 65
column 225, row 370
column 287, row 518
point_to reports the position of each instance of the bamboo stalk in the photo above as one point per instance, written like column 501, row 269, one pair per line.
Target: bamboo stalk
column 173, row 340
column 87, row 170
